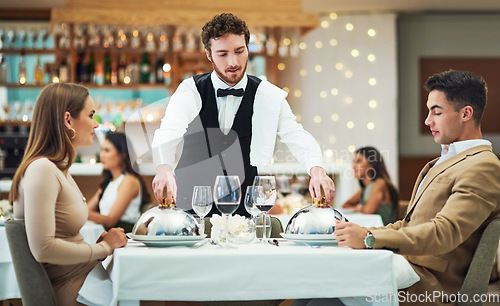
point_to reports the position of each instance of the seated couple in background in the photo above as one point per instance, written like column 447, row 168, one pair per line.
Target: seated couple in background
column 122, row 194
column 377, row 194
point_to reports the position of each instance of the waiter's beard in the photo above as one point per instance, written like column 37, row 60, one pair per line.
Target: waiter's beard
column 230, row 79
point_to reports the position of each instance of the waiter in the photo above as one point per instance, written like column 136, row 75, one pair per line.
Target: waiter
column 226, row 123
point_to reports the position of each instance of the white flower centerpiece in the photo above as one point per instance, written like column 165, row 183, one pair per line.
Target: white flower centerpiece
column 5, row 210
column 292, row 203
column 240, row 229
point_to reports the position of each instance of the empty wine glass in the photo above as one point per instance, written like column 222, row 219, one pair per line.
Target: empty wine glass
column 202, row 203
column 268, row 183
column 227, row 196
column 252, row 195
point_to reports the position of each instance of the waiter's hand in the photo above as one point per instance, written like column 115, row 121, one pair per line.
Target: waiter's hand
column 320, row 181
column 165, row 179
column 350, row 234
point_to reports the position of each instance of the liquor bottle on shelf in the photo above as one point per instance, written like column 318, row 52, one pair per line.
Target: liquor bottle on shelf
column 82, row 75
column 145, row 69
column 132, row 73
column 122, row 69
column 107, row 69
column 38, row 74
column 159, row 70
column 99, row 73
column 91, row 69
column 114, row 73
column 22, row 70
column 4, row 71
column 63, row 71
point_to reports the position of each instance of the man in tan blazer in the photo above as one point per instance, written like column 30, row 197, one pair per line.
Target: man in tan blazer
column 454, row 198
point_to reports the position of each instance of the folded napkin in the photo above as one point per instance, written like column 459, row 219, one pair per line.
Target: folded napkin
column 97, row 288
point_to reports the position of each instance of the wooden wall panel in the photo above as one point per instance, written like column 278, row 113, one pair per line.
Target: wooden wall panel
column 488, row 68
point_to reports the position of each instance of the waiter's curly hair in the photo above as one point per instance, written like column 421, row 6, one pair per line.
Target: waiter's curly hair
column 223, row 24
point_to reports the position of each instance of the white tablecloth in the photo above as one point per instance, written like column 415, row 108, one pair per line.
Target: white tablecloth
column 8, row 282
column 249, row 272
column 365, row 220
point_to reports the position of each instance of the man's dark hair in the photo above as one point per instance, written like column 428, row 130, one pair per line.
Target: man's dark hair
column 223, row 24
column 461, row 89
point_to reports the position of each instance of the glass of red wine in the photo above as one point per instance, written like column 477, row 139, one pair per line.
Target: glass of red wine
column 227, row 196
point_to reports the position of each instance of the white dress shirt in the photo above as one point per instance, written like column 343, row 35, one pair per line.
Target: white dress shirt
column 272, row 117
column 457, row 147
column 227, row 106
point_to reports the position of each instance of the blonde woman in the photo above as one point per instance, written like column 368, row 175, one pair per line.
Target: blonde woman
column 45, row 195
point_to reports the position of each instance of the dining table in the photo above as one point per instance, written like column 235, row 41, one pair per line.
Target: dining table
column 254, row 271
column 8, row 282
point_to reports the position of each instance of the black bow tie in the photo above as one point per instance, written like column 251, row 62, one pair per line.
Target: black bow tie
column 231, row 91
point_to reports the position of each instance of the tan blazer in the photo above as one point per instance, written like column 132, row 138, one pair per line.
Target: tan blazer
column 445, row 219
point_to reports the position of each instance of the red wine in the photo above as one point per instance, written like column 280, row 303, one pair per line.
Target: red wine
column 264, row 207
column 227, row 208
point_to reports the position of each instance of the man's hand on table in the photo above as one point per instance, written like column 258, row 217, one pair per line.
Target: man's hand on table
column 350, row 234
column 165, row 179
column 321, row 181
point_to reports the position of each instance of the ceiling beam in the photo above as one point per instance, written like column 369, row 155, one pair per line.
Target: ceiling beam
column 275, row 13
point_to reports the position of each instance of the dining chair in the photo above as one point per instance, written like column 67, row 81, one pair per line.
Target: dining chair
column 276, row 227
column 478, row 275
column 33, row 281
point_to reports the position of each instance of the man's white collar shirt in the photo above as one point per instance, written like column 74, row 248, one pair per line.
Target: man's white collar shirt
column 457, row 147
column 227, row 106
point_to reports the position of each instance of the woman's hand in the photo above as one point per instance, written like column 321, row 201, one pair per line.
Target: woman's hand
column 115, row 237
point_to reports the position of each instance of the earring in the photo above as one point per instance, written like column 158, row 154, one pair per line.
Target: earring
column 74, row 134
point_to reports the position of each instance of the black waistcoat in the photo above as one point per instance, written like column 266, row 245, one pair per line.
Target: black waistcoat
column 207, row 152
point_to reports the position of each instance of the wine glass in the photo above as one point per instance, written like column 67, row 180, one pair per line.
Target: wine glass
column 268, row 183
column 202, row 203
column 227, row 196
column 252, row 195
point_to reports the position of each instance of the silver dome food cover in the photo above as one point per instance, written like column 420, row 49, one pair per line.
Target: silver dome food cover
column 315, row 219
column 166, row 220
